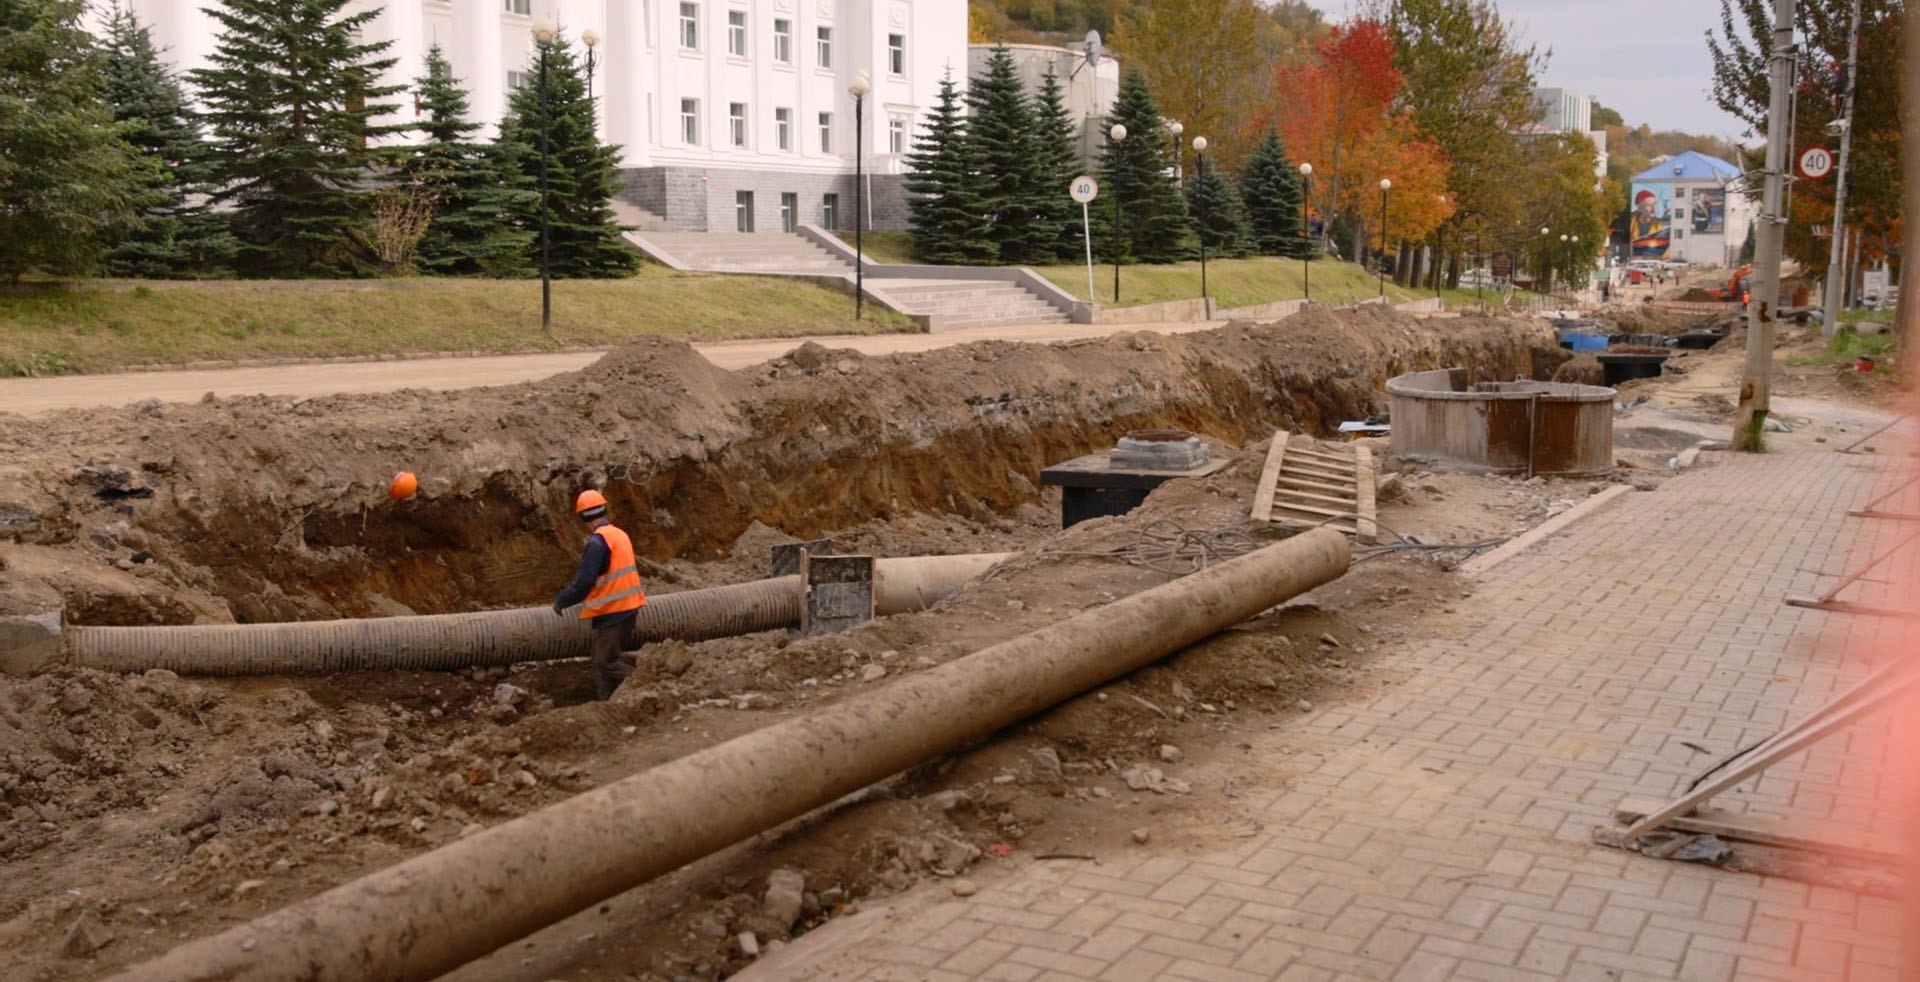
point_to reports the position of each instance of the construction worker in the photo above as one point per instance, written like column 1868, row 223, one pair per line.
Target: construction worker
column 608, row 580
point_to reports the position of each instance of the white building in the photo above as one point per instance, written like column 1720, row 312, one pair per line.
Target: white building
column 1692, row 207
column 1564, row 110
column 1088, row 88
column 729, row 113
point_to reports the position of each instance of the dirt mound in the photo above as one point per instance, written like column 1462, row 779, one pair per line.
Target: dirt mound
column 263, row 509
column 1582, row 369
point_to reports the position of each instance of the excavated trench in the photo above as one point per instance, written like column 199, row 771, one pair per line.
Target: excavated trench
column 274, row 509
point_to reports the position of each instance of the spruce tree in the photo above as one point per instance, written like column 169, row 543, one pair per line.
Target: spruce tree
column 179, row 234
column 68, row 182
column 1219, row 218
column 291, row 95
column 949, row 223
column 583, row 174
column 477, row 197
column 1005, row 147
column 1270, row 188
column 1139, row 170
column 1057, row 161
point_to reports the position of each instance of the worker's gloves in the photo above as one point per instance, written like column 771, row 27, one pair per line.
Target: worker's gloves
column 559, row 608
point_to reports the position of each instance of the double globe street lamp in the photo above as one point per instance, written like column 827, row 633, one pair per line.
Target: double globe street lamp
column 544, row 33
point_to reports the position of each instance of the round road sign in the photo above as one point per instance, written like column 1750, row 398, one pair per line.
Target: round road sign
column 1815, row 163
column 1084, row 189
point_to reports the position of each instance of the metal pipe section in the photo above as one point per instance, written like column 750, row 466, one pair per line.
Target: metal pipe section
column 486, row 638
column 439, row 910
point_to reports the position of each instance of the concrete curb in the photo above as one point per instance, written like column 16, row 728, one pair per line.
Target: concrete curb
column 1480, row 564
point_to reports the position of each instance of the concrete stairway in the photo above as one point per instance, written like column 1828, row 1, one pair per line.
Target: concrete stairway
column 966, row 303
column 748, row 252
column 947, row 304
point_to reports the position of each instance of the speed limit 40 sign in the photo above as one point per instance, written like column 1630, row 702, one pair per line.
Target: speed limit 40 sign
column 1084, row 189
column 1815, row 163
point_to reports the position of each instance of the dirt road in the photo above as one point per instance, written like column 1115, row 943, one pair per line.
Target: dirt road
column 38, row 396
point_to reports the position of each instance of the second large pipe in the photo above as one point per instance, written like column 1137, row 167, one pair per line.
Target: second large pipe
column 437, row 911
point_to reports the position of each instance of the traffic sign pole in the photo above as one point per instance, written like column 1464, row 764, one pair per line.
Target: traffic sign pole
column 1084, row 189
column 1831, row 292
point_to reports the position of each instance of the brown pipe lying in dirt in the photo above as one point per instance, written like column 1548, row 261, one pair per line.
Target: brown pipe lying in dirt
column 437, row 911
column 497, row 637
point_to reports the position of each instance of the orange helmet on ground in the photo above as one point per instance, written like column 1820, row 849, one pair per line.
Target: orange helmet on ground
column 590, row 504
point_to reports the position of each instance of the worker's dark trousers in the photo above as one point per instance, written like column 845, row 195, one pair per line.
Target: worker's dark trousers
column 608, row 670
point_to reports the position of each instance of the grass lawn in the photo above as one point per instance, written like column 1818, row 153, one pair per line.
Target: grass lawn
column 883, row 247
column 108, row 325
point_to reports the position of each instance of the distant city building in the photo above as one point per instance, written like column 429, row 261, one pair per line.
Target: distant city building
column 730, row 114
column 1564, row 110
column 1692, row 208
column 1090, row 88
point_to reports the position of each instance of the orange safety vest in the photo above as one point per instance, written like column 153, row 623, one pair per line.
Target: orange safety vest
column 618, row 588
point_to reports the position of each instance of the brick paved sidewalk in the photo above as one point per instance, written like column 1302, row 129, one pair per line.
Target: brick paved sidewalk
column 1441, row 829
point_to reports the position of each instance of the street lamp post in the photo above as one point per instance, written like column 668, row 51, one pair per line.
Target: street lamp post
column 1176, row 129
column 1580, row 267
column 1306, row 231
column 1439, row 248
column 1545, row 273
column 1200, row 174
column 1563, row 249
column 591, row 38
column 859, row 89
column 544, row 33
column 1118, row 135
column 1385, row 186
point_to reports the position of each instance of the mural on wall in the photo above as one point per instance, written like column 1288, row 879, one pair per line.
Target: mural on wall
column 1709, row 211
column 1649, row 228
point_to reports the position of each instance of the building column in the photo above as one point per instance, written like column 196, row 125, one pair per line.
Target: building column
column 402, row 24
column 476, row 60
column 626, row 90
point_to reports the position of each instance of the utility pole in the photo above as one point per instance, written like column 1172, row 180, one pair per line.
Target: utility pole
column 1836, row 264
column 1750, row 418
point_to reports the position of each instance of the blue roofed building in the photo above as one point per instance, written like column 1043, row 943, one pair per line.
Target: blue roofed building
column 1692, row 207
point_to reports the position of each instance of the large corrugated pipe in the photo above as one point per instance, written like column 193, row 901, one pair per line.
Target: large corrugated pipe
column 442, row 909
column 497, row 637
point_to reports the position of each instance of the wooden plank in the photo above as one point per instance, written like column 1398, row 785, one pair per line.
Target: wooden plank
column 1317, row 470
column 1262, row 510
column 1323, row 455
column 1311, row 510
column 1294, row 494
column 1322, row 485
column 1363, row 482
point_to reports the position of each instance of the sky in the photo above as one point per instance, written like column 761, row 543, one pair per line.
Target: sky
column 1646, row 58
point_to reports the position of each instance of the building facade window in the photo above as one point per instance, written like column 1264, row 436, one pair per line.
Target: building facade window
column 690, row 26
column 830, row 211
column 783, row 128
column 783, row 40
column 823, row 46
column 517, row 81
column 737, row 33
column 737, row 123
column 690, row 122
column 522, row 7
column 743, row 211
column 789, row 211
column 897, row 135
column 826, row 132
column 896, row 54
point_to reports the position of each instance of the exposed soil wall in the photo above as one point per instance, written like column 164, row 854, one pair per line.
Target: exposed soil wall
column 274, row 509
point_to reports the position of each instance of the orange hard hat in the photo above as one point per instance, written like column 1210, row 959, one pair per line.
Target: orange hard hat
column 589, row 500
column 403, row 486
